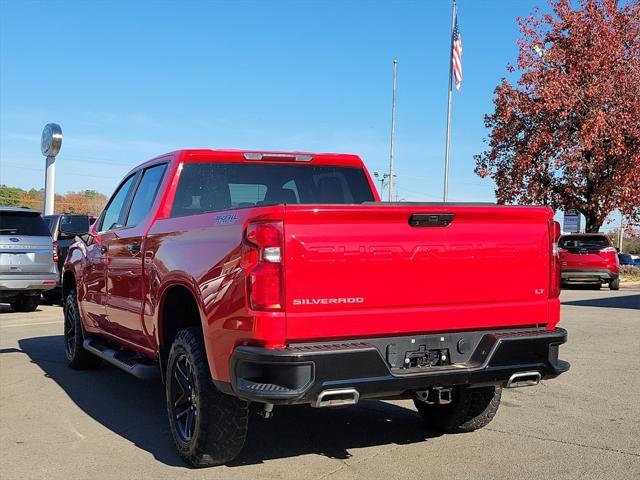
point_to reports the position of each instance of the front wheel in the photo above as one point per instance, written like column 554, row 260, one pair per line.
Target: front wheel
column 614, row 284
column 26, row 303
column 208, row 427
column 469, row 410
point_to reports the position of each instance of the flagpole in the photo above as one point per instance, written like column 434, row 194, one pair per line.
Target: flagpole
column 446, row 153
column 393, row 130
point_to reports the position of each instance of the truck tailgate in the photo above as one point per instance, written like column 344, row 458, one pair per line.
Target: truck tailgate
column 358, row 271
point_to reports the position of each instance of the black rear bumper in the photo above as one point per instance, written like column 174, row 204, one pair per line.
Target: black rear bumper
column 595, row 275
column 374, row 367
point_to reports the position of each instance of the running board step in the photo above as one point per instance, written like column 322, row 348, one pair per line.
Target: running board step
column 128, row 361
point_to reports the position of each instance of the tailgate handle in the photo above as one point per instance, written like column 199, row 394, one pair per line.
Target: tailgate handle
column 431, row 219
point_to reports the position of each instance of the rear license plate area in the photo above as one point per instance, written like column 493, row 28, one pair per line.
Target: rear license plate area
column 424, row 358
column 422, row 352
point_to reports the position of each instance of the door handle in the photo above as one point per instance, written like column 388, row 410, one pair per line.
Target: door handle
column 103, row 249
column 134, row 248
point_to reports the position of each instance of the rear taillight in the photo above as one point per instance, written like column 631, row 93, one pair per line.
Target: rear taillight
column 611, row 254
column 262, row 260
column 554, row 259
column 56, row 256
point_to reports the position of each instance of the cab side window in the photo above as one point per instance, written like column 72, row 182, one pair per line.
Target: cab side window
column 111, row 219
column 145, row 194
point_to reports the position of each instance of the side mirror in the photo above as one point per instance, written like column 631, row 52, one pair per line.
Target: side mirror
column 87, row 238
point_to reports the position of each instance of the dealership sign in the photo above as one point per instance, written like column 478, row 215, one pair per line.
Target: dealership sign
column 571, row 223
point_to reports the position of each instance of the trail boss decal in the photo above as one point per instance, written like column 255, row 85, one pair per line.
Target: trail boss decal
column 226, row 219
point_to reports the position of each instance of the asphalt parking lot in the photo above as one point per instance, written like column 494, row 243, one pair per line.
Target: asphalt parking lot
column 56, row 423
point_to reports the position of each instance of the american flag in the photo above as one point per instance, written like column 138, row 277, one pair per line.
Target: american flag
column 456, row 50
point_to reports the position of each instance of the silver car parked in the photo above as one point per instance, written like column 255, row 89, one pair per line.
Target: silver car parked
column 26, row 258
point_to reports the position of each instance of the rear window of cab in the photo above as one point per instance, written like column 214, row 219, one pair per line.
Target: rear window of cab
column 208, row 187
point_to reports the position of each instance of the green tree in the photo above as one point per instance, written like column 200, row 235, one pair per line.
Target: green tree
column 10, row 196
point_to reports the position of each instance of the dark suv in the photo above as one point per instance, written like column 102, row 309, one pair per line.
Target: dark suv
column 63, row 229
column 26, row 258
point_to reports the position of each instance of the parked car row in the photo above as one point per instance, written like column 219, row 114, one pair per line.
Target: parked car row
column 32, row 252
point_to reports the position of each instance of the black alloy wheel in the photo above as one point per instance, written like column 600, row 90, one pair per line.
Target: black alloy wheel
column 184, row 398
column 69, row 335
column 208, row 427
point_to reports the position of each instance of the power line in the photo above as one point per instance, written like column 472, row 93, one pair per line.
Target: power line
column 21, row 167
column 104, row 161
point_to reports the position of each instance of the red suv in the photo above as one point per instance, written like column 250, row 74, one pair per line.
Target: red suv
column 589, row 258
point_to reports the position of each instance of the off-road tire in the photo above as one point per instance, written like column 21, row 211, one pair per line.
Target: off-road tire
column 220, row 421
column 469, row 410
column 26, row 303
column 77, row 357
column 614, row 284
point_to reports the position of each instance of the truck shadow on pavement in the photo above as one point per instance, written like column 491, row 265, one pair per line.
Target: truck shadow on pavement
column 626, row 301
column 135, row 410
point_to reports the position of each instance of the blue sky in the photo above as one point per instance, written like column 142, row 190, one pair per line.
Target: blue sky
column 130, row 80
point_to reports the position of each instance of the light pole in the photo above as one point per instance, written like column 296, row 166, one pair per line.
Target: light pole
column 382, row 178
column 393, row 127
column 50, row 145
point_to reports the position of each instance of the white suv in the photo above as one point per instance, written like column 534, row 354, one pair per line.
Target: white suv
column 26, row 258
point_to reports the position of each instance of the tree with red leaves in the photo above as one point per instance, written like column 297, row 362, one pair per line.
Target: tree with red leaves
column 567, row 134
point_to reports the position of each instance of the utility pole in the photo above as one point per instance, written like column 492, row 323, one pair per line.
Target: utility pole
column 446, row 152
column 620, row 233
column 393, row 127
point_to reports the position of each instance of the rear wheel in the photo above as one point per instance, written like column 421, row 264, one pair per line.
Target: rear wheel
column 77, row 357
column 208, row 427
column 26, row 303
column 469, row 410
column 614, row 284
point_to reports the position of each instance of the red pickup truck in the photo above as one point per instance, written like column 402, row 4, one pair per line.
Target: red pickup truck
column 280, row 278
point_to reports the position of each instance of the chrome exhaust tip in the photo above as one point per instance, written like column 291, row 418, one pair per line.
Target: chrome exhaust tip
column 337, row 397
column 524, row 379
